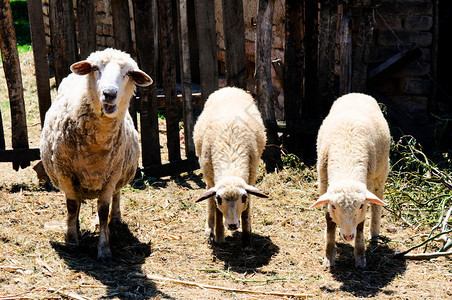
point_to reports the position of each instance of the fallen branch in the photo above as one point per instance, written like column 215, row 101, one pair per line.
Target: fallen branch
column 227, row 274
column 206, row 286
column 426, row 255
column 404, row 253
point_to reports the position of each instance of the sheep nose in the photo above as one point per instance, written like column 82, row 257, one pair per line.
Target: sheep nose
column 349, row 237
column 109, row 94
column 232, row 227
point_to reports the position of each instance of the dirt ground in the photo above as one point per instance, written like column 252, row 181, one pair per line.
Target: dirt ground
column 163, row 237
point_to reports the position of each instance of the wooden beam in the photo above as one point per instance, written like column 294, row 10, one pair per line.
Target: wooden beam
column 185, row 72
column 11, row 67
column 207, row 43
column 16, row 156
column 171, row 168
column 40, row 56
column 345, row 46
column 144, row 33
column 86, row 27
column 234, row 40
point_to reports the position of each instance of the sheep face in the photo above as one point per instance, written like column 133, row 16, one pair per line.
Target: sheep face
column 232, row 199
column 114, row 80
column 347, row 203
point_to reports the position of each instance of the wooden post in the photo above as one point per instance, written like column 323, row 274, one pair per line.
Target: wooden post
column 362, row 50
column 144, row 33
column 207, row 43
column 234, row 40
column 2, row 134
column 168, row 55
column 40, row 56
column 345, row 42
column 11, row 67
column 293, row 60
column 86, row 27
column 64, row 44
column 264, row 88
column 186, row 78
column 328, row 83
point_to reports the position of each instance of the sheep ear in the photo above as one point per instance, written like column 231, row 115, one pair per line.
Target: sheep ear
column 140, row 78
column 82, row 67
column 323, row 199
column 209, row 193
column 254, row 191
column 374, row 199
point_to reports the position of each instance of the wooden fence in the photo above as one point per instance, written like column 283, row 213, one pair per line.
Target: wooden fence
column 310, row 26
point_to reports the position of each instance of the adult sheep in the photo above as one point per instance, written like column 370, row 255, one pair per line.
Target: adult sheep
column 229, row 138
column 353, row 163
column 89, row 145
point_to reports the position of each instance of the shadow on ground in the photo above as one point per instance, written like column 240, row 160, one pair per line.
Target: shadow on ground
column 119, row 275
column 381, row 269
column 238, row 260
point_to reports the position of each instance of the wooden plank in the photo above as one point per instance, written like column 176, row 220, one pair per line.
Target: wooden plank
column 361, row 50
column 264, row 87
column 171, row 168
column 86, row 27
column 123, row 38
column 64, row 43
column 20, row 155
column 2, row 134
column 328, row 82
column 293, row 60
column 38, row 42
column 345, row 42
column 168, row 55
column 185, row 72
column 207, row 43
column 11, row 67
column 144, row 33
column 234, row 40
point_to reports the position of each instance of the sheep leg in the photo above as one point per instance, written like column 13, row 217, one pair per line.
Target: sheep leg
column 73, row 223
column 103, row 247
column 246, row 229
column 219, row 226
column 375, row 217
column 115, row 213
column 360, row 248
column 330, row 241
column 210, row 222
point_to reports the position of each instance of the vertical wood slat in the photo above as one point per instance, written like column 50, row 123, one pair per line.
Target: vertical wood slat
column 40, row 56
column 86, row 27
column 207, row 43
column 2, row 134
column 345, row 42
column 328, row 81
column 264, row 88
column 168, row 56
column 185, row 72
column 11, row 67
column 144, row 29
column 234, row 39
column 123, row 39
column 362, row 50
column 63, row 39
column 293, row 60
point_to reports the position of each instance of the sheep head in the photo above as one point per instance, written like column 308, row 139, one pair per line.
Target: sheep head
column 346, row 203
column 115, row 75
column 232, row 198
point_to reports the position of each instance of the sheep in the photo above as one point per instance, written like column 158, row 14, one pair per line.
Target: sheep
column 353, row 163
column 229, row 138
column 89, row 145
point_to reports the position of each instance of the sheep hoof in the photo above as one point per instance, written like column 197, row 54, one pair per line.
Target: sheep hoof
column 328, row 263
column 115, row 222
column 361, row 262
column 72, row 239
column 104, row 255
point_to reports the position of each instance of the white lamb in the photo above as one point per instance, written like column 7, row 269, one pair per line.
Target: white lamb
column 229, row 137
column 353, row 163
column 89, row 145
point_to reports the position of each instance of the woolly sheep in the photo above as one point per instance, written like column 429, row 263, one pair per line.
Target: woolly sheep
column 353, row 163
column 229, row 138
column 89, row 145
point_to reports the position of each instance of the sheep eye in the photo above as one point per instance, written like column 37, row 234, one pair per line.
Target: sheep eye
column 332, row 205
column 219, row 200
column 244, row 198
column 95, row 68
column 361, row 206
